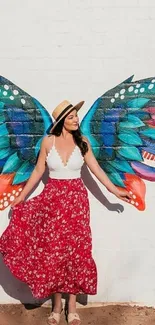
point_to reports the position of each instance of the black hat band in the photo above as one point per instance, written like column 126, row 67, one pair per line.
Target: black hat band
column 64, row 111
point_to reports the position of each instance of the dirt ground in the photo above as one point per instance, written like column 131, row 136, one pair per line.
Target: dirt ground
column 105, row 315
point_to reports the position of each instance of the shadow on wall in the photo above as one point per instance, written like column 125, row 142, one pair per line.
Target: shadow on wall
column 18, row 289
column 97, row 193
column 13, row 287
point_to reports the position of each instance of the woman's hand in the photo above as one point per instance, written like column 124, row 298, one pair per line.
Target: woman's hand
column 123, row 194
column 18, row 200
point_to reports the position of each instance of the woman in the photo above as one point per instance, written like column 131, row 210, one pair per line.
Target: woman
column 48, row 242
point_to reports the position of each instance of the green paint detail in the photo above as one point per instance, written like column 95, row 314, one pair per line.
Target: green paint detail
column 4, row 153
column 131, row 122
column 130, row 137
column 1, row 105
column 116, row 179
column 137, row 103
column 22, row 173
column 3, row 130
column 4, row 142
column 85, row 129
column 12, row 164
column 122, row 165
column 150, row 133
column 131, row 153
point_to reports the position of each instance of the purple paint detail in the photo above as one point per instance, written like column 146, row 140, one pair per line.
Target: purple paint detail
column 144, row 171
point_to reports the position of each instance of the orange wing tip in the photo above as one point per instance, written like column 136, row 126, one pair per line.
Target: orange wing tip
column 137, row 189
column 8, row 192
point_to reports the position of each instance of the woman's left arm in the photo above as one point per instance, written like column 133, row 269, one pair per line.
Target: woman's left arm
column 93, row 165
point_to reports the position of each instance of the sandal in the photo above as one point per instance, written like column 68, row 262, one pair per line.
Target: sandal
column 73, row 317
column 54, row 318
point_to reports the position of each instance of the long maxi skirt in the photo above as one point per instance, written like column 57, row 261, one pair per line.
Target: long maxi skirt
column 48, row 242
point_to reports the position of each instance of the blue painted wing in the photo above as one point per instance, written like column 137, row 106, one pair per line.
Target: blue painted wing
column 23, row 124
column 120, row 126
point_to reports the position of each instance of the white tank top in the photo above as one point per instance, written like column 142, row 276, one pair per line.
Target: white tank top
column 57, row 169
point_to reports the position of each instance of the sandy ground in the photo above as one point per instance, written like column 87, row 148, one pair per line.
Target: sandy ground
column 105, row 315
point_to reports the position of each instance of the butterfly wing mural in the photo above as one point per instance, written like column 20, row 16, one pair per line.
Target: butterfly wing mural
column 120, row 126
column 23, row 124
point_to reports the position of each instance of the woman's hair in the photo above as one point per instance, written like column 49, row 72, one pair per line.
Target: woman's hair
column 77, row 136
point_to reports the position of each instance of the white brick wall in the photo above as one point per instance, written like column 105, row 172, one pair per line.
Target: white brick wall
column 78, row 50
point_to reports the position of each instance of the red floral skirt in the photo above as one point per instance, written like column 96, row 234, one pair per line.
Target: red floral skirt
column 48, row 242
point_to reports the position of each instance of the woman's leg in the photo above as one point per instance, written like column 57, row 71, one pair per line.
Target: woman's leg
column 72, row 303
column 54, row 317
column 73, row 317
column 57, row 303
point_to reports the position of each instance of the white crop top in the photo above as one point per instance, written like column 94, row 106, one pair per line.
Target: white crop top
column 57, row 169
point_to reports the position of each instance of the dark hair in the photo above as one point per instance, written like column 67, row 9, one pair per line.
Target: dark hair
column 77, row 136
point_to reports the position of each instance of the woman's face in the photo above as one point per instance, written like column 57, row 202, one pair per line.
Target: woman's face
column 71, row 121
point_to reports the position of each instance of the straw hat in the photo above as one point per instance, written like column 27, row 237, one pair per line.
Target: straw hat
column 62, row 110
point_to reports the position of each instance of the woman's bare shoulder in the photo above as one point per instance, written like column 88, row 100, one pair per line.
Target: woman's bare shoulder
column 48, row 138
column 46, row 141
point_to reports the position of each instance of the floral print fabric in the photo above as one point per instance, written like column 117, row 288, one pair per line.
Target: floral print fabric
column 48, row 242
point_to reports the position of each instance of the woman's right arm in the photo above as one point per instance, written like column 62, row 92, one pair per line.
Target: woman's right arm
column 36, row 174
